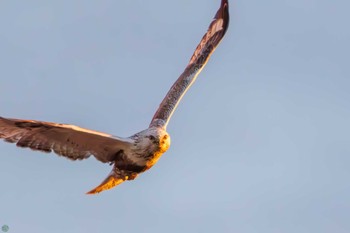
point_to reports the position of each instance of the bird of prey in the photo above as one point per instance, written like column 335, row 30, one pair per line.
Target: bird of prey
column 129, row 156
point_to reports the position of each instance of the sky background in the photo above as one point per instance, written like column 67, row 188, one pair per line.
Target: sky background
column 260, row 143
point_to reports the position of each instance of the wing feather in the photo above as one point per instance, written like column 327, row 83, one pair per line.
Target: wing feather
column 200, row 57
column 65, row 140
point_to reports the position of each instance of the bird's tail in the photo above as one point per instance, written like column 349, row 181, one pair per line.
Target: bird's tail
column 112, row 180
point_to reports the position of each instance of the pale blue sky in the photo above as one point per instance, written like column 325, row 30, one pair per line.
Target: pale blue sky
column 259, row 144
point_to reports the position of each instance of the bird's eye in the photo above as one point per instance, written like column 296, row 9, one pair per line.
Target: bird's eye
column 152, row 137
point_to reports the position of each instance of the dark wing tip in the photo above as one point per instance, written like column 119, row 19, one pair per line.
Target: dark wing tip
column 224, row 4
column 223, row 13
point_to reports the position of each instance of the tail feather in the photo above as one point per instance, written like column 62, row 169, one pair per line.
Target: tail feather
column 114, row 178
column 111, row 181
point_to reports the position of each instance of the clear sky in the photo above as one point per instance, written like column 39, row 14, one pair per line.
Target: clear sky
column 260, row 143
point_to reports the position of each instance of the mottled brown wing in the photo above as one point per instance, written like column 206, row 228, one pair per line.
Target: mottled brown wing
column 69, row 141
column 199, row 59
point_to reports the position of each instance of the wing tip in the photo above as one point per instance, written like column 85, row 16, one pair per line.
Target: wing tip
column 223, row 13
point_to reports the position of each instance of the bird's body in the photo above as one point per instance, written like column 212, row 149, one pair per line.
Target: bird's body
column 129, row 156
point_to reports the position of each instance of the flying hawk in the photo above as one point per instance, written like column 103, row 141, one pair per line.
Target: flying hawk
column 130, row 156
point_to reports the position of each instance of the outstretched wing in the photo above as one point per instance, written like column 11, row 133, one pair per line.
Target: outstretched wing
column 69, row 141
column 206, row 47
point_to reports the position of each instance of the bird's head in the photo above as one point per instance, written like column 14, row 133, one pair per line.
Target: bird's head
column 160, row 139
column 152, row 140
column 152, row 143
